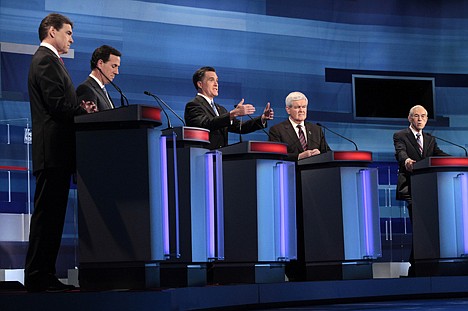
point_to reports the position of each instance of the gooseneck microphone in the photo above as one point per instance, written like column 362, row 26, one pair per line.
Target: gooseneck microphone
column 169, row 125
column 160, row 101
column 451, row 143
column 323, row 126
column 122, row 96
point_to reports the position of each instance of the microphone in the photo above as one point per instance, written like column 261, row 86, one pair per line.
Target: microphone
column 169, row 125
column 159, row 101
column 323, row 126
column 122, row 96
column 466, row 153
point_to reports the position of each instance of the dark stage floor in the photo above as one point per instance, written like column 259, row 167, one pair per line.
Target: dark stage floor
column 422, row 293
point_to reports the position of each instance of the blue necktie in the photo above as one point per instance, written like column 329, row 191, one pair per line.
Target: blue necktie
column 214, row 108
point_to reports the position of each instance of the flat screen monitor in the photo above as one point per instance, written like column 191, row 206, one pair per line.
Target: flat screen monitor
column 391, row 97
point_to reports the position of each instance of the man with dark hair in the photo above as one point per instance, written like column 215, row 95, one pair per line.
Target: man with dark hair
column 53, row 107
column 203, row 112
column 105, row 63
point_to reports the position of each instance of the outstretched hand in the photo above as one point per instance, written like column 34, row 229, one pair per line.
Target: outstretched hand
column 242, row 109
column 268, row 113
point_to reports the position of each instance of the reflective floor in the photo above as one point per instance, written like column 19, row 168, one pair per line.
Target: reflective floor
column 426, row 304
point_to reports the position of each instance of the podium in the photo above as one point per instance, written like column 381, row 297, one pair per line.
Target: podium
column 193, row 191
column 259, row 214
column 337, row 216
column 122, row 202
column 439, row 189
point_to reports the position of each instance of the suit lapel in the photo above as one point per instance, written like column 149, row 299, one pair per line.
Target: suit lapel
column 414, row 143
column 206, row 105
column 100, row 92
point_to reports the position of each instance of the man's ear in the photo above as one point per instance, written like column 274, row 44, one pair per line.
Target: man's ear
column 52, row 31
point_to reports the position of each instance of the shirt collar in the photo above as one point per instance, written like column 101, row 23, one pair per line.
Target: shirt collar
column 208, row 100
column 294, row 124
column 415, row 132
column 50, row 47
column 97, row 80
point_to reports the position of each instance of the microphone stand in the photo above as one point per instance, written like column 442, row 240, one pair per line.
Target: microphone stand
column 159, row 101
column 122, row 96
column 466, row 153
column 323, row 126
column 169, row 125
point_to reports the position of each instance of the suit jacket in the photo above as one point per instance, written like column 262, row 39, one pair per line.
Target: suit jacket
column 406, row 147
column 198, row 113
column 53, row 106
column 284, row 132
column 90, row 90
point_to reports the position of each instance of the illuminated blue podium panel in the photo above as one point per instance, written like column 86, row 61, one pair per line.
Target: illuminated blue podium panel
column 195, row 199
column 259, row 213
column 338, row 217
column 121, row 196
column 439, row 190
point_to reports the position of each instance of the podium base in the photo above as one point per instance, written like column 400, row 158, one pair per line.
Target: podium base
column 183, row 275
column 357, row 270
column 253, row 273
column 103, row 276
column 441, row 267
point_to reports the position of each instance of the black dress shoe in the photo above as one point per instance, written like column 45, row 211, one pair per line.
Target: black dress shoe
column 46, row 283
column 55, row 286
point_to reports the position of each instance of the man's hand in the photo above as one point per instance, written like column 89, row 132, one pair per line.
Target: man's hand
column 89, row 106
column 308, row 153
column 242, row 110
column 409, row 164
column 268, row 113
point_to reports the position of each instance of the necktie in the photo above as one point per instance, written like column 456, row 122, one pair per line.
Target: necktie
column 214, row 108
column 61, row 60
column 108, row 98
column 420, row 145
column 302, row 137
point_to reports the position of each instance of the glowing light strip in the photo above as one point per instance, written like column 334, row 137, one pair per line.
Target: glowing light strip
column 176, row 196
column 448, row 161
column 464, row 201
column 268, row 147
column 282, row 207
column 196, row 134
column 219, row 205
column 367, row 207
column 164, row 196
column 352, row 156
column 209, row 193
column 13, row 168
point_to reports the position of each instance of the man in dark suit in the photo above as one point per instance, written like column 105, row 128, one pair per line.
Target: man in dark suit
column 53, row 107
column 105, row 63
column 411, row 146
column 203, row 112
column 300, row 145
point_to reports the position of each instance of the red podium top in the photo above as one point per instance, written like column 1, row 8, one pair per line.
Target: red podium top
column 442, row 162
column 333, row 157
column 13, row 168
column 256, row 147
column 189, row 134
